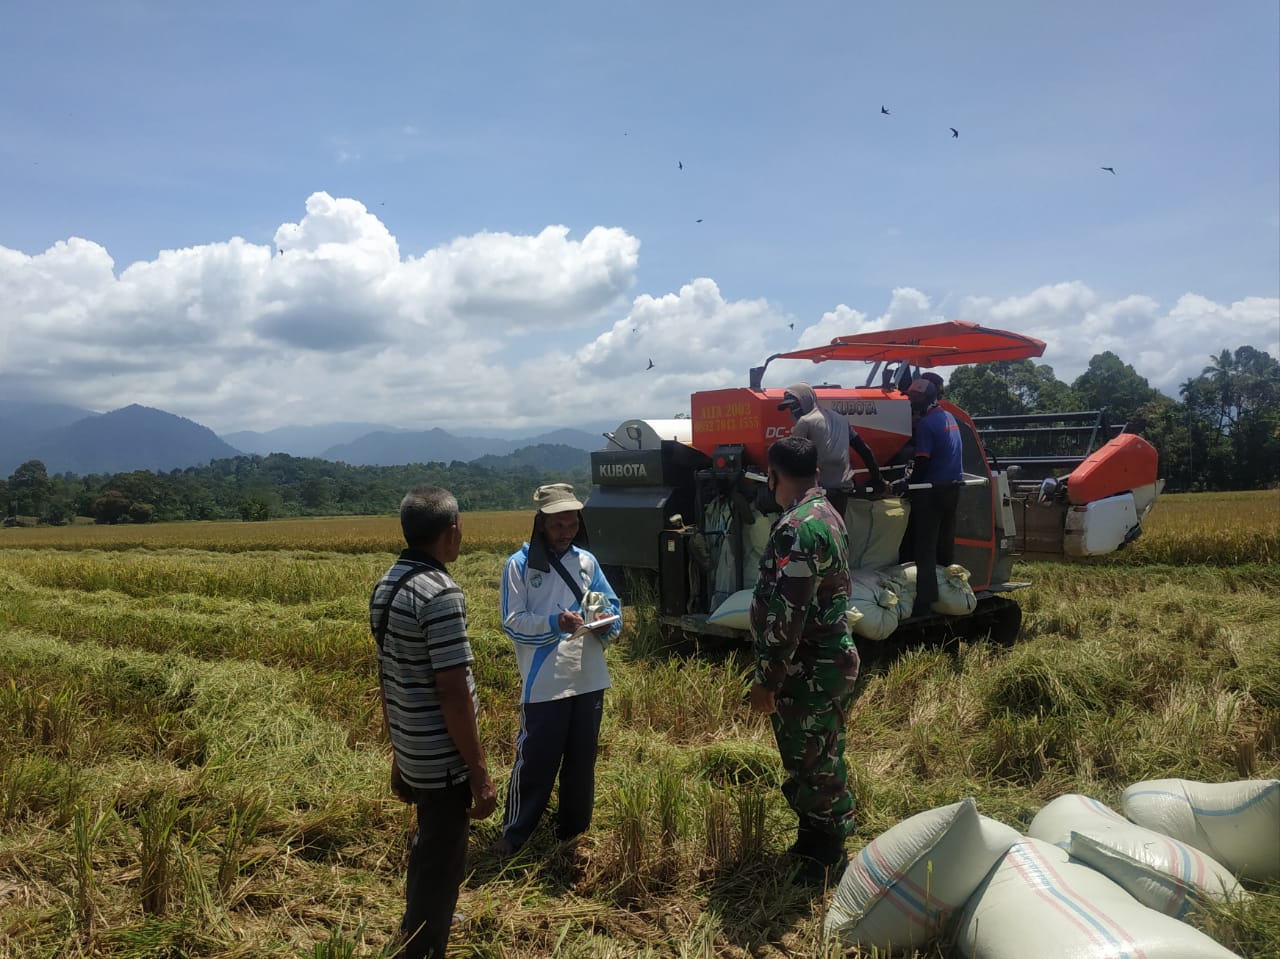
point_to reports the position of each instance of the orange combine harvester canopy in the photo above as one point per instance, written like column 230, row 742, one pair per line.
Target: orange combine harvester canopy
column 952, row 343
column 881, row 413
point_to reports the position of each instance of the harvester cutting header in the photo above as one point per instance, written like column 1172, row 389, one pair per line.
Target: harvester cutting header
column 682, row 502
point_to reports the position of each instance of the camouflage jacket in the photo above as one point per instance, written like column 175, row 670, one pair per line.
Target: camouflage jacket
column 798, row 620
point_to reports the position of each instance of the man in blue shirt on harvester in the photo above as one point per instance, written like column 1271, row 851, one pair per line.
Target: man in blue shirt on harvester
column 552, row 591
column 939, row 461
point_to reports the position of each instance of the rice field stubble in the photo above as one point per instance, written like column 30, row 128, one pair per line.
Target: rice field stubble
column 192, row 761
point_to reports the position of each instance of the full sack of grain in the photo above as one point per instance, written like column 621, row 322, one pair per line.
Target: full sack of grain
column 872, row 595
column 1237, row 823
column 900, row 891
column 1036, row 902
column 1160, row 872
column 955, row 595
column 735, row 612
column 876, row 527
column 755, row 537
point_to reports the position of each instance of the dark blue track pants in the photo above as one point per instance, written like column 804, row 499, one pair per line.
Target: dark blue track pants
column 559, row 737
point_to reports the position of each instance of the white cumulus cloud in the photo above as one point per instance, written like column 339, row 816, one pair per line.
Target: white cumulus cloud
column 1166, row 344
column 333, row 321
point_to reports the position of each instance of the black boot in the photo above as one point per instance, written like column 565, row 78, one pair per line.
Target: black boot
column 808, row 839
column 824, row 861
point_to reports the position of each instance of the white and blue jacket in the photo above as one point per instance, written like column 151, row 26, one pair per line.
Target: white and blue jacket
column 552, row 664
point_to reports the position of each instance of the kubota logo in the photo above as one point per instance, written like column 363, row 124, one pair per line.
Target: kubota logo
column 855, row 407
column 624, row 470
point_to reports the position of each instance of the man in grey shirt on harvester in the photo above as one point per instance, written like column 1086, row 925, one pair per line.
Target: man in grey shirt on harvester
column 833, row 435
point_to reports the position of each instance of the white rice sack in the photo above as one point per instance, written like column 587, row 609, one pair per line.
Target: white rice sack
column 1236, row 823
column 901, row 889
column 876, row 527
column 876, row 602
column 1164, row 892
column 903, row 579
column 955, row 595
column 1036, row 902
column 716, row 521
column 755, row 537
column 734, row 612
column 1157, row 870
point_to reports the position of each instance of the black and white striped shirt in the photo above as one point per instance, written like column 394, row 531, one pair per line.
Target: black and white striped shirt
column 426, row 631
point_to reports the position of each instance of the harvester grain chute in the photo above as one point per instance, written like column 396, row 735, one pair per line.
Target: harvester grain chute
column 679, row 503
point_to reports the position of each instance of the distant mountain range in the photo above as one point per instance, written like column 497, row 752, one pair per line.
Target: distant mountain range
column 387, row 448
column 68, row 439
column 133, row 438
column 302, row 440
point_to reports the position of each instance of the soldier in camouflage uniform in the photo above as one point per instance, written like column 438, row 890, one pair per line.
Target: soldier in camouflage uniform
column 806, row 662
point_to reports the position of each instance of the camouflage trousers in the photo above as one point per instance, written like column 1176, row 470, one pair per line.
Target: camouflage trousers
column 810, row 729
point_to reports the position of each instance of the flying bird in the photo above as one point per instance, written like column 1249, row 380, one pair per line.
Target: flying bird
column 698, row 220
column 1110, row 169
column 954, row 133
column 650, row 366
column 791, row 325
column 883, row 110
column 680, row 164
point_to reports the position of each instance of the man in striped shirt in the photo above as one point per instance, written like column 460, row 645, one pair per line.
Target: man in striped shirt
column 419, row 619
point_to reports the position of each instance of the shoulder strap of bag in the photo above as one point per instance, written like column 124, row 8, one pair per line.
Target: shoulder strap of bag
column 564, row 574
column 380, row 633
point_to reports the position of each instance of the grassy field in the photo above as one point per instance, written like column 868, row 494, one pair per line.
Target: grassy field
column 192, row 761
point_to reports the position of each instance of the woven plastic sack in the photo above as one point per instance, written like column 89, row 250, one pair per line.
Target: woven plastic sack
column 875, row 527
column 1237, row 823
column 901, row 889
column 734, row 612
column 902, row 577
column 755, row 537
column 955, row 595
column 1036, row 902
column 874, row 598
column 1157, row 870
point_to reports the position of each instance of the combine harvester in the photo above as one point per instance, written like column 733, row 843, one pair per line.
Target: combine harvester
column 677, row 502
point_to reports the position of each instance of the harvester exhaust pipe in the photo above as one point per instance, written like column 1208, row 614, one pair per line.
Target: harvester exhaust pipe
column 756, row 374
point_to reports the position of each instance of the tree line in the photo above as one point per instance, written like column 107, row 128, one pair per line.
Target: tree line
column 1223, row 433
column 260, row 488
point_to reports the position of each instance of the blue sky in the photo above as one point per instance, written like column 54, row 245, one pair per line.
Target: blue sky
column 466, row 130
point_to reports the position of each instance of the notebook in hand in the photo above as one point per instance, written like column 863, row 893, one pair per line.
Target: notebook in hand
column 600, row 625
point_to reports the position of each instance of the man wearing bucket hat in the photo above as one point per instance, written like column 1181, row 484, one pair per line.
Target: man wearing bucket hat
column 552, row 589
column 833, row 435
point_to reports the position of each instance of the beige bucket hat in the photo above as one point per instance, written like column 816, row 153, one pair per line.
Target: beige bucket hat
column 556, row 498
